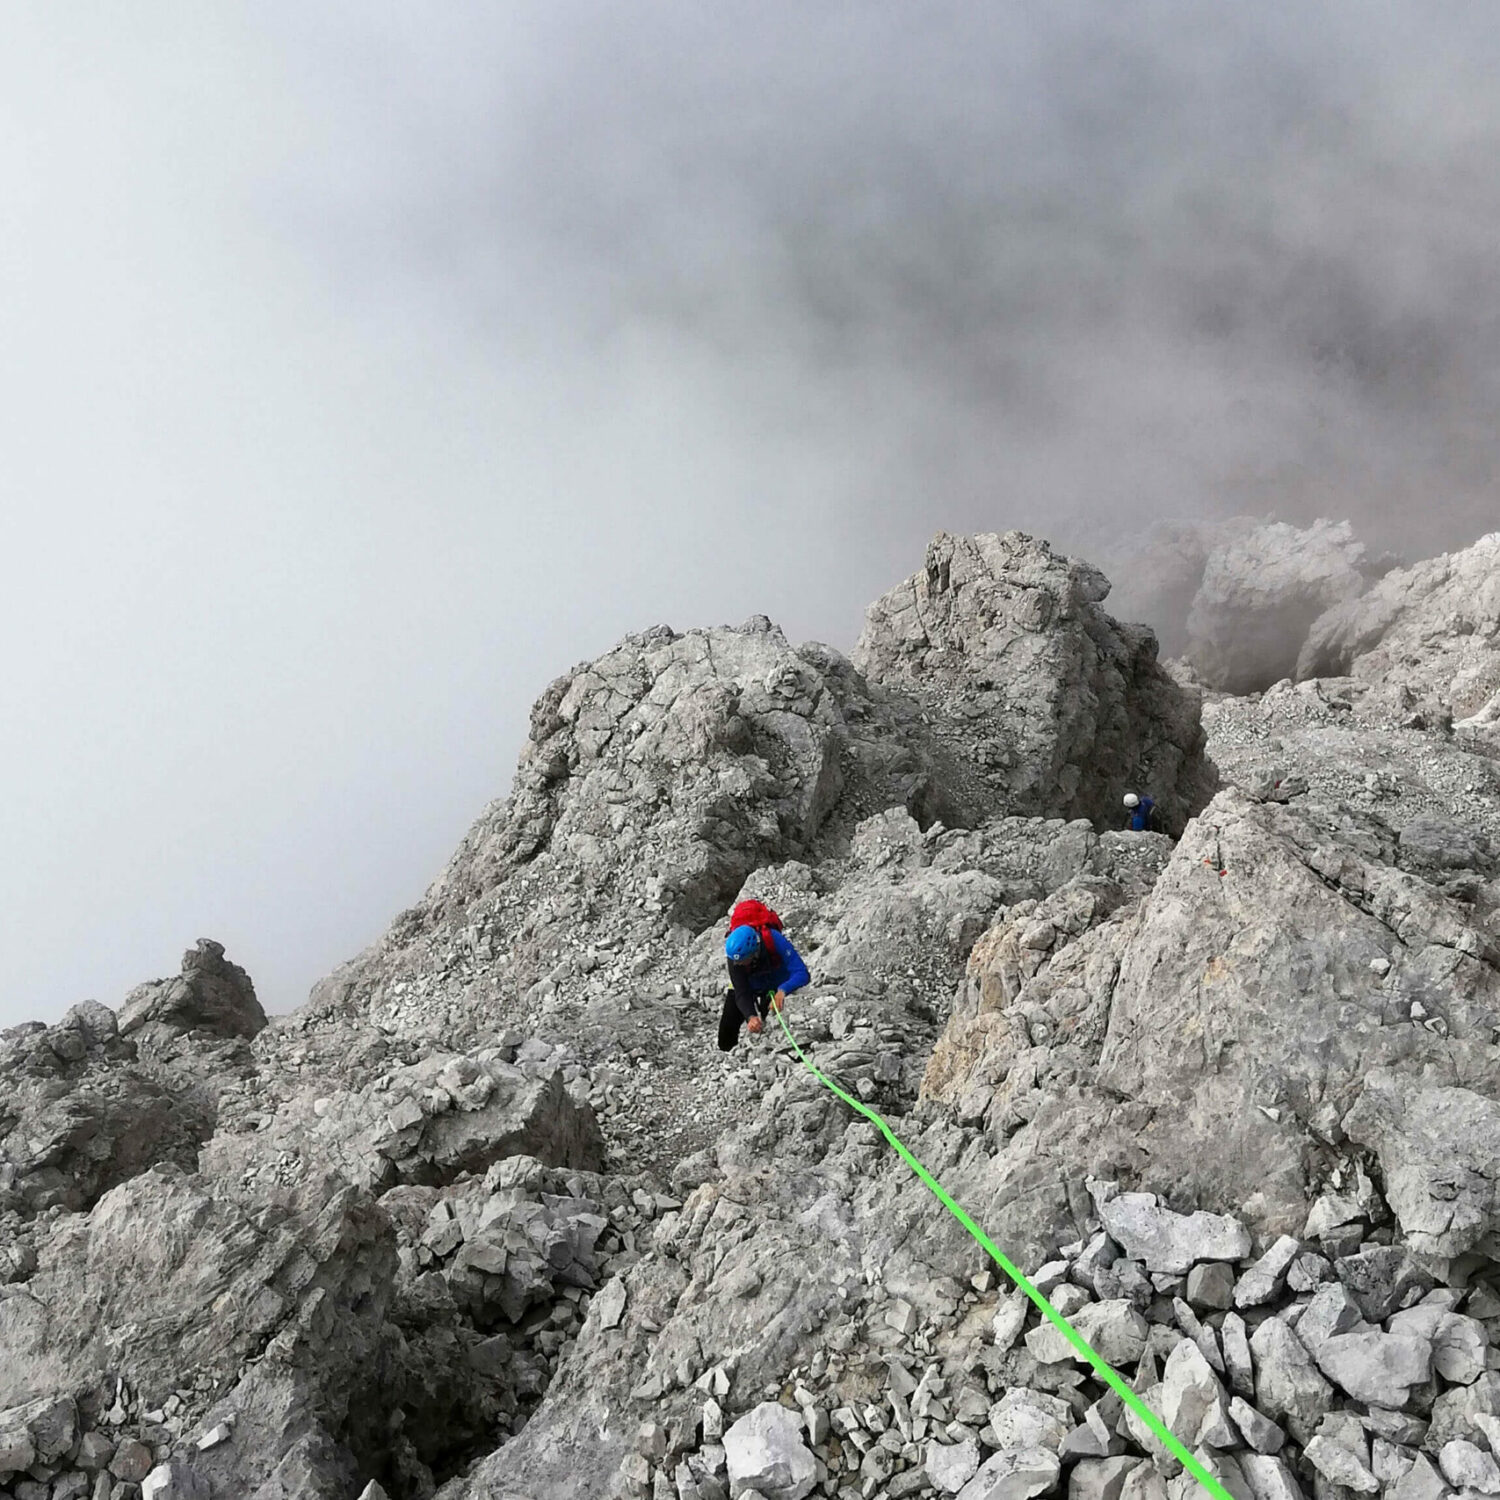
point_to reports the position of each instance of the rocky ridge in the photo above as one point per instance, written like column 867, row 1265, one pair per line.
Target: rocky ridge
column 488, row 1217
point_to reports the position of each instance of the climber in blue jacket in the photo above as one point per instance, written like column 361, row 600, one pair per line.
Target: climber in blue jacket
column 1138, row 811
column 764, row 969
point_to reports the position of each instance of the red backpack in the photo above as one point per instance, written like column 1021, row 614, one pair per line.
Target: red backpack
column 758, row 915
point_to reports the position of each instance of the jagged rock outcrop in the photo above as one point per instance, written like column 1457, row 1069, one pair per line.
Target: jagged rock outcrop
column 207, row 1299
column 211, row 995
column 75, row 1117
column 659, row 778
column 1007, row 1003
column 84, row 1108
column 429, row 1123
column 1428, row 636
column 656, row 779
column 1243, row 1004
column 653, row 782
column 1051, row 706
column 1438, row 1143
column 1317, row 879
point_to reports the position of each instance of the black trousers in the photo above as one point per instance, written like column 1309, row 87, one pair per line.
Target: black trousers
column 730, row 1020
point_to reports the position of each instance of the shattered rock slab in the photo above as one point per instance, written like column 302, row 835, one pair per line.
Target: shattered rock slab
column 765, row 1453
column 1166, row 1241
column 1438, row 1149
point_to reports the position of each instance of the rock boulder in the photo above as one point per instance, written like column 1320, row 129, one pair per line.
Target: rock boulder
column 1048, row 704
column 211, row 994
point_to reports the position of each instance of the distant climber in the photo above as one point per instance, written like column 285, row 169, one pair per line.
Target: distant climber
column 1138, row 813
column 764, row 969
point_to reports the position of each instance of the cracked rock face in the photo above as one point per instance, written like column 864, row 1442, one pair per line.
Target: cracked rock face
column 1273, row 968
column 1053, row 703
column 1438, row 1151
column 84, row 1108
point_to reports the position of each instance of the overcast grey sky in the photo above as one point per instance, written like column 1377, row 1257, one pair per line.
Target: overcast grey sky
column 363, row 366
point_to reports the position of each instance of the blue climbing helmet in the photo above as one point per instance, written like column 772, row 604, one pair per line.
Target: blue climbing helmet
column 742, row 946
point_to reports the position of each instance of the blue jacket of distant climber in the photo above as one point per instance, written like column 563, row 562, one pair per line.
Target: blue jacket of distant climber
column 780, row 969
column 1140, row 816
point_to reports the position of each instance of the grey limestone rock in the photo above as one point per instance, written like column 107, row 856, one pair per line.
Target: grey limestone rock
column 1455, row 1412
column 1339, row 1466
column 1383, row 1278
column 211, row 994
column 998, row 620
column 1430, row 632
column 1330, row 1311
column 164, row 1276
column 83, row 1109
column 1113, row 1329
column 1096, row 1435
column 1259, row 1431
column 1010, row 1319
column 174, row 1481
column 1262, row 1280
column 1166, row 1241
column 1466, row 1466
column 1144, row 1483
column 1014, row 1474
column 1460, row 1345
column 1288, row 1387
column 1210, row 1286
column 1246, row 997
column 609, row 1305
column 1224, row 1467
column 950, row 1466
column 1014, row 997
column 1329, row 1212
column 1260, row 593
column 1100, row 1478
column 765, row 1452
column 1270, row 1477
column 660, row 779
column 1437, row 846
column 1421, row 1481
column 428, row 1123
column 1437, row 1147
column 1190, row 1401
column 1030, row 1419
column 1234, row 1340
column 36, row 1432
column 491, row 1219
column 1375, row 1367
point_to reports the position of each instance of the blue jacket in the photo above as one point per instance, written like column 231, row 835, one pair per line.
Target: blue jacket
column 784, row 971
column 1140, row 816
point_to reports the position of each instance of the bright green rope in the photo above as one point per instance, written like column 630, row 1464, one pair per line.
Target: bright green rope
column 1105, row 1371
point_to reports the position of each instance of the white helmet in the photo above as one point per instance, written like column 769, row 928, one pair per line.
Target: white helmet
column 1131, row 800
